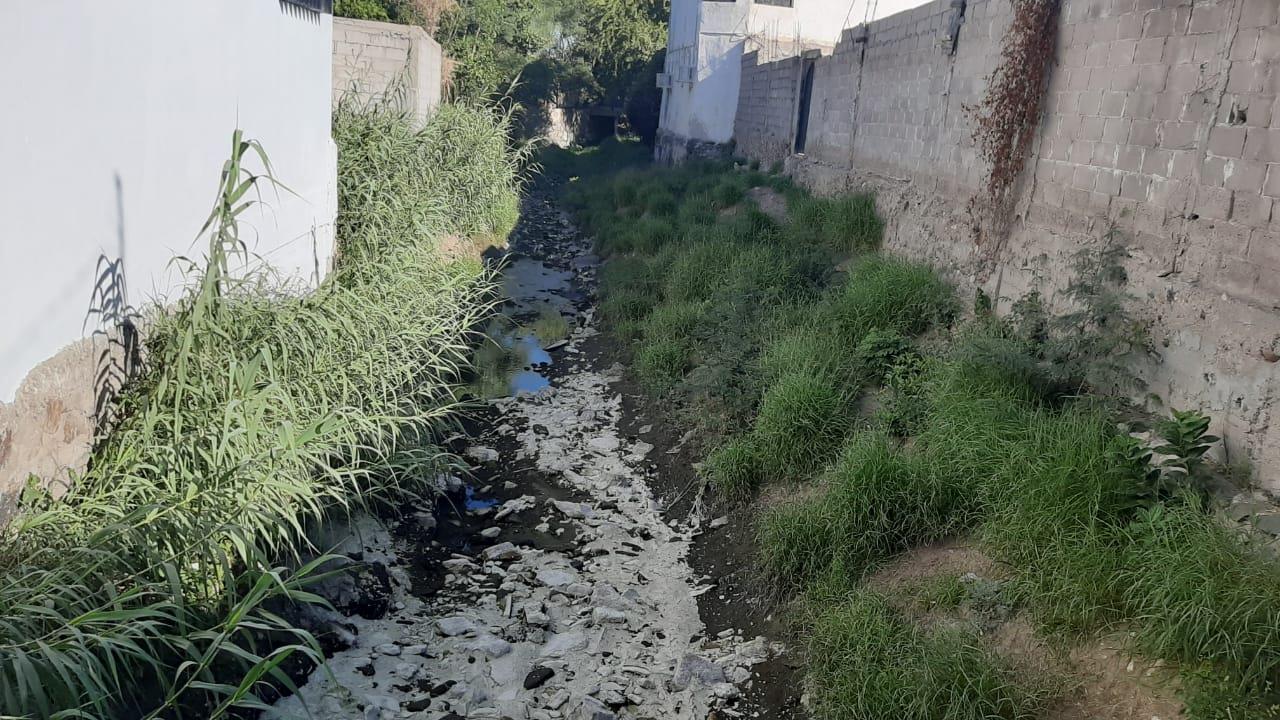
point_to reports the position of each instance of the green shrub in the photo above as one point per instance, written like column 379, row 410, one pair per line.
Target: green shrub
column 880, row 350
column 731, row 190
column 1202, row 595
column 809, row 349
column 675, row 321
column 661, row 203
column 697, row 210
column 887, row 294
column 407, row 184
column 625, row 311
column 361, row 10
column 700, row 271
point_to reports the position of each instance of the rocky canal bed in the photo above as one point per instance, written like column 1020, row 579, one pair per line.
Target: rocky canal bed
column 554, row 580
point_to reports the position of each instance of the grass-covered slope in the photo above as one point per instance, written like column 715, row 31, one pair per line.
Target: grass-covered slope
column 768, row 333
column 157, row 584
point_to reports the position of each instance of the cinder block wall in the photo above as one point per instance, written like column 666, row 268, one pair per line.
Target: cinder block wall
column 764, row 127
column 375, row 62
column 1161, row 117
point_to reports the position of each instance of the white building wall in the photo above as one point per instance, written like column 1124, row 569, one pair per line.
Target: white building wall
column 118, row 119
column 706, row 41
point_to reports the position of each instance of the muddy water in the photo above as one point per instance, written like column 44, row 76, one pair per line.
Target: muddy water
column 552, row 580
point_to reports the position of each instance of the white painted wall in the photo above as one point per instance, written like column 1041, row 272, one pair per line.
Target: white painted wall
column 118, row 117
column 710, row 38
column 814, row 22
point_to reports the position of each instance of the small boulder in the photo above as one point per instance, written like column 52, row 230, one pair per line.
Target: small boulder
column 538, row 677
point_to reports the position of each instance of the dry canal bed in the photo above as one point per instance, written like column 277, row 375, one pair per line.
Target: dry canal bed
column 572, row 573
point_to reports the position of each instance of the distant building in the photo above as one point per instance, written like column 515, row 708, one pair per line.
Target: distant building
column 705, row 45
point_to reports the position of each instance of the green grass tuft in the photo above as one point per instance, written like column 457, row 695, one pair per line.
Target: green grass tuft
column 873, row 502
column 803, row 417
column 734, row 467
column 866, row 663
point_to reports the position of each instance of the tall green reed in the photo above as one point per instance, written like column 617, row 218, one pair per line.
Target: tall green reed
column 159, row 584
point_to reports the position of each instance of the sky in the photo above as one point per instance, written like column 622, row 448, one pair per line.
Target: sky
column 881, row 8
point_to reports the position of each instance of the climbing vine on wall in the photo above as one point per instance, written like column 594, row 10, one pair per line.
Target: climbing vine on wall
column 1006, row 119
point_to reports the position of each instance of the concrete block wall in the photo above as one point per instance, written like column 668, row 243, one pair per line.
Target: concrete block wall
column 376, row 62
column 766, row 103
column 1161, row 118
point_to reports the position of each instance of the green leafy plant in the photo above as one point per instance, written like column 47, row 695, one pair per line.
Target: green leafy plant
column 1133, row 457
column 1187, row 439
column 881, row 350
column 1094, row 346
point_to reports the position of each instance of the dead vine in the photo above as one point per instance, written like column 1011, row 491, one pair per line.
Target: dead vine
column 1005, row 121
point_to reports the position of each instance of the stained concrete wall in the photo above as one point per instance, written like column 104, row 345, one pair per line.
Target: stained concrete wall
column 377, row 62
column 1161, row 117
column 120, row 119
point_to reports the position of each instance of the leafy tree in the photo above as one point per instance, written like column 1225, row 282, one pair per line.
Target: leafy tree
column 542, row 52
column 492, row 40
column 361, row 9
column 617, row 38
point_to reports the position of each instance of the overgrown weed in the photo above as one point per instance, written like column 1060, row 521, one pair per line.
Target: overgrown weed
column 156, row 583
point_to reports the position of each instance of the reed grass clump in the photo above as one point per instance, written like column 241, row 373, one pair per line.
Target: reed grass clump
column 161, row 583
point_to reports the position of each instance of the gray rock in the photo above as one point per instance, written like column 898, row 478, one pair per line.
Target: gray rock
column 502, row 551
column 603, row 615
column 577, row 590
column 696, row 668
column 577, row 511
column 555, row 577
column 1246, row 509
column 565, row 642
column 726, row 691
column 482, row 454
column 417, row 704
column 426, row 521
column 538, row 677
column 536, row 617
column 1269, row 524
column 604, row 443
column 592, row 709
column 389, row 649
column 456, row 625
column 557, row 700
column 490, row 645
column 490, row 533
column 405, row 671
